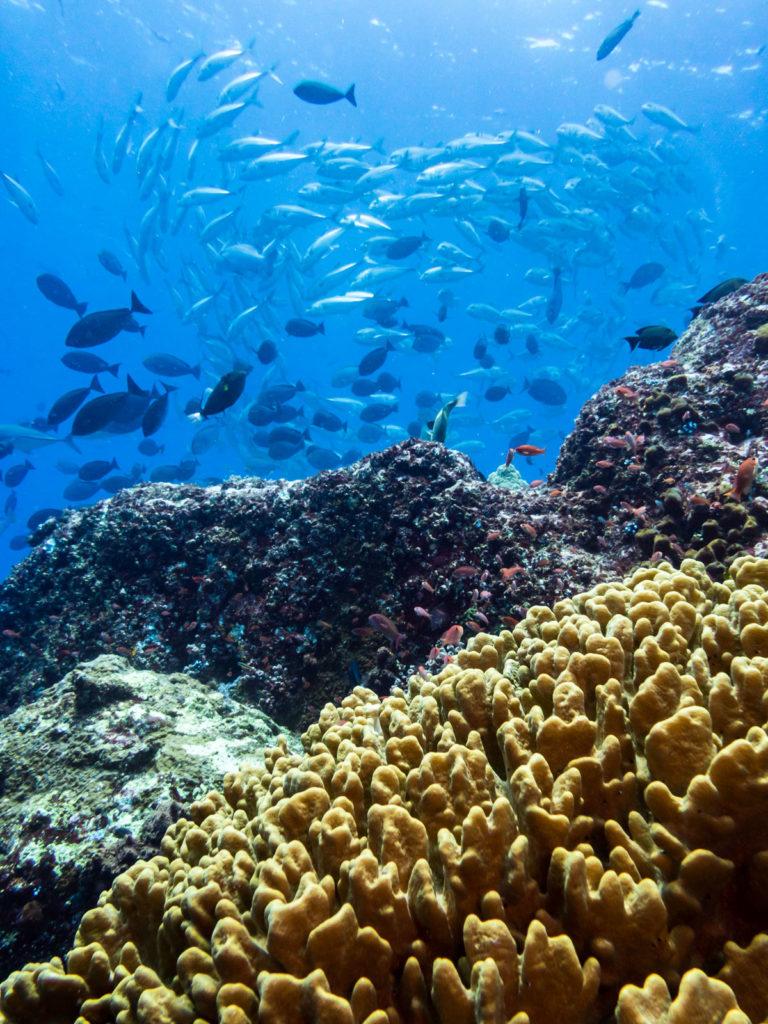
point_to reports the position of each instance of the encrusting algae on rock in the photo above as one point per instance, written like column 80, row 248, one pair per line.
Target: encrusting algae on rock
column 568, row 823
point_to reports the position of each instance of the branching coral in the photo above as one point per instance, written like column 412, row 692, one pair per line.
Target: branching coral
column 569, row 822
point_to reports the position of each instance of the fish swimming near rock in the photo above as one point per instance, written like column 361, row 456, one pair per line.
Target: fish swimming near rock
column 654, row 338
column 100, row 327
column 439, row 426
column 613, row 38
column 719, row 291
column 59, row 293
column 321, row 94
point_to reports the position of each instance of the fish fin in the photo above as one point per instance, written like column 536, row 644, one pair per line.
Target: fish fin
column 196, row 371
column 113, row 464
column 169, row 387
column 431, row 425
column 133, row 387
column 142, row 330
column 345, row 428
column 80, row 308
column 306, row 435
column 625, row 287
column 69, row 439
column 461, row 400
column 321, row 329
column 632, row 341
column 300, row 386
column 137, row 306
column 28, row 464
column 350, row 95
column 96, row 384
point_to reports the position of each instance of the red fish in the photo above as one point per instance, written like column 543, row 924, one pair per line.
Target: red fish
column 529, row 449
column 452, row 635
column 465, row 570
column 530, row 529
column 604, row 464
column 421, row 612
column 511, row 571
column 622, row 391
column 385, row 626
column 745, row 477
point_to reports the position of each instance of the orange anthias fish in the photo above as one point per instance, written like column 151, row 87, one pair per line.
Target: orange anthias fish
column 453, row 634
column 529, row 449
column 745, row 477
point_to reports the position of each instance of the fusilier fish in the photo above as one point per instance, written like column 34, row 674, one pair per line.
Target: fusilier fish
column 613, row 38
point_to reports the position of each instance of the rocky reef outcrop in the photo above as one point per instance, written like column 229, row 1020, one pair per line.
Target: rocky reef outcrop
column 92, row 772
column 270, row 587
column 568, row 822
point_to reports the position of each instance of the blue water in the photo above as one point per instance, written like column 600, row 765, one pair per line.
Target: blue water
column 425, row 74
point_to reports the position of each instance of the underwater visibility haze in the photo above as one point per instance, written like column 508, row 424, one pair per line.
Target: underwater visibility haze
column 270, row 240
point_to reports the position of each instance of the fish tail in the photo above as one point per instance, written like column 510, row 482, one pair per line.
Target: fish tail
column 300, row 386
column 632, row 339
column 80, row 308
column 142, row 330
column 113, row 369
column 96, row 384
column 137, row 306
column 461, row 400
column 321, row 329
column 196, row 371
column 350, row 95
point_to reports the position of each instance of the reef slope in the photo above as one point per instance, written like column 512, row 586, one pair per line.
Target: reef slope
column 270, row 585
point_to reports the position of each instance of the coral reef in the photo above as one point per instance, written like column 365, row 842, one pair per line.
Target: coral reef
column 269, row 587
column 566, row 822
column 91, row 775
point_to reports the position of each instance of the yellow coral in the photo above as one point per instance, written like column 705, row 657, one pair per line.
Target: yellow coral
column 569, row 821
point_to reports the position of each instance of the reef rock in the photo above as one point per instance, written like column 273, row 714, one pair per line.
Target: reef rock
column 569, row 822
column 92, row 772
column 270, row 586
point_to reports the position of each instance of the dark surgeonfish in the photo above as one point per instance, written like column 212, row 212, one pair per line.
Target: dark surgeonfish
column 116, row 413
column 613, row 39
column 546, row 391
column 156, row 412
column 97, row 328
column 718, row 292
column 298, row 327
column 320, row 93
column 89, row 362
column 654, row 338
column 645, row 274
column 165, row 364
column 59, row 293
column 68, row 404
